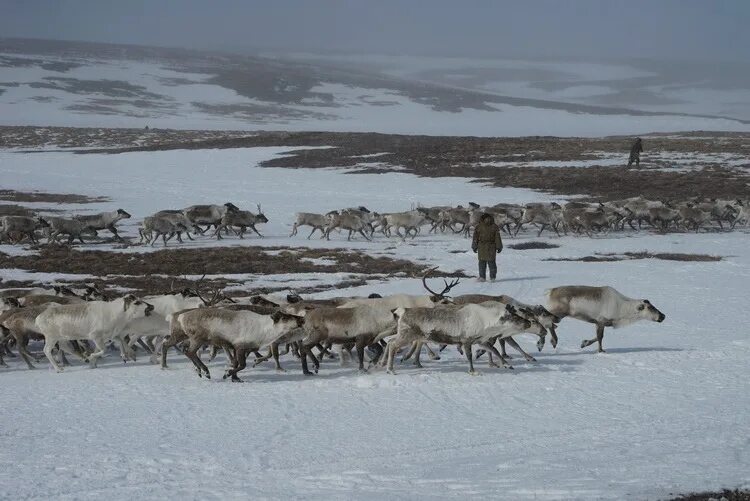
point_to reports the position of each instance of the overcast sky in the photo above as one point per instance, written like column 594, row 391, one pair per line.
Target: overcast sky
column 671, row 29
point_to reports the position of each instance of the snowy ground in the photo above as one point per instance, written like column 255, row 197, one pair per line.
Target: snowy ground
column 664, row 411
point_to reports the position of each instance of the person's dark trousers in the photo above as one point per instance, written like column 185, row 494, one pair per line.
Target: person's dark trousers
column 483, row 269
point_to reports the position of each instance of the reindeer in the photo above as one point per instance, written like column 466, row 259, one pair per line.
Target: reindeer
column 347, row 221
column 242, row 219
column 316, row 221
column 73, row 228
column 463, row 325
column 208, row 214
column 163, row 227
column 104, row 221
column 98, row 321
column 23, row 225
column 602, row 306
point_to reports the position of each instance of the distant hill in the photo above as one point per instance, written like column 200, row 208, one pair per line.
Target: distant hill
column 45, row 82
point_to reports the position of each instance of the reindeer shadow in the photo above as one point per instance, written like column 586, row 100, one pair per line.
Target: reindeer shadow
column 590, row 351
column 519, row 279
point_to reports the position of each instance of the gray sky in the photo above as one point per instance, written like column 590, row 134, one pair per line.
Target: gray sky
column 668, row 29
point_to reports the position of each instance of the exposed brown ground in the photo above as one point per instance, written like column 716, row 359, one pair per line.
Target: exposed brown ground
column 667, row 256
column 14, row 210
column 451, row 156
column 726, row 494
column 532, row 245
column 38, row 196
column 140, row 270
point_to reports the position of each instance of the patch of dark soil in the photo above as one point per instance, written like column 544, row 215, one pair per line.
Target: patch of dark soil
column 726, row 494
column 110, row 88
column 14, row 210
column 61, row 259
column 38, row 196
column 612, row 183
column 666, row 256
column 449, row 156
column 533, row 245
column 145, row 272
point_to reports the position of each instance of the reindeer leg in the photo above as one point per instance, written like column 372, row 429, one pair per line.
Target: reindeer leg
column 433, row 355
column 275, row 353
column 113, row 230
column 503, row 355
column 597, row 339
column 303, row 352
column 417, row 354
column 491, row 350
column 240, row 363
column 513, row 343
column 410, row 353
column 360, row 343
column 192, row 354
column 470, row 357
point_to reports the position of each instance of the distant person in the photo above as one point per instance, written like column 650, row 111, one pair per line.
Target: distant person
column 635, row 153
column 487, row 244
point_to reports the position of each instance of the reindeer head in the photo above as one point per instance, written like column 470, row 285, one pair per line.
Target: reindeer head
column 286, row 321
column 261, row 218
column 231, row 207
column 512, row 316
column 647, row 311
column 135, row 305
column 94, row 293
column 62, row 290
column 261, row 301
column 11, row 302
column 123, row 214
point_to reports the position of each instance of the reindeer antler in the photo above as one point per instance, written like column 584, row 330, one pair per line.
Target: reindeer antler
column 424, row 281
column 449, row 286
column 446, row 289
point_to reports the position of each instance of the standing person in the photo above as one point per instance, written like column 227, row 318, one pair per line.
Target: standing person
column 487, row 244
column 635, row 153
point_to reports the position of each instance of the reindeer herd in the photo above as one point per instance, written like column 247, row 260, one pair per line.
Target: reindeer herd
column 84, row 323
column 572, row 217
column 576, row 217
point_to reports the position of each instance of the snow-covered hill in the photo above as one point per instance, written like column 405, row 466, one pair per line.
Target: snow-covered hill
column 83, row 84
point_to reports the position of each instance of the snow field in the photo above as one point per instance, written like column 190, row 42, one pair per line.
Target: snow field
column 665, row 410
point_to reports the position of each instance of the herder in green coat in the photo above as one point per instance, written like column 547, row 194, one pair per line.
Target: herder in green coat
column 487, row 244
column 635, row 153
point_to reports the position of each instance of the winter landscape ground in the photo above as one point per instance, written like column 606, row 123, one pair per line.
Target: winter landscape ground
column 664, row 412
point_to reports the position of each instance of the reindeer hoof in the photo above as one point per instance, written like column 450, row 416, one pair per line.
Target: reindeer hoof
column 583, row 344
column 280, row 370
column 235, row 379
column 362, row 370
column 531, row 359
column 475, row 373
column 419, row 366
column 493, row 364
column 308, row 373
